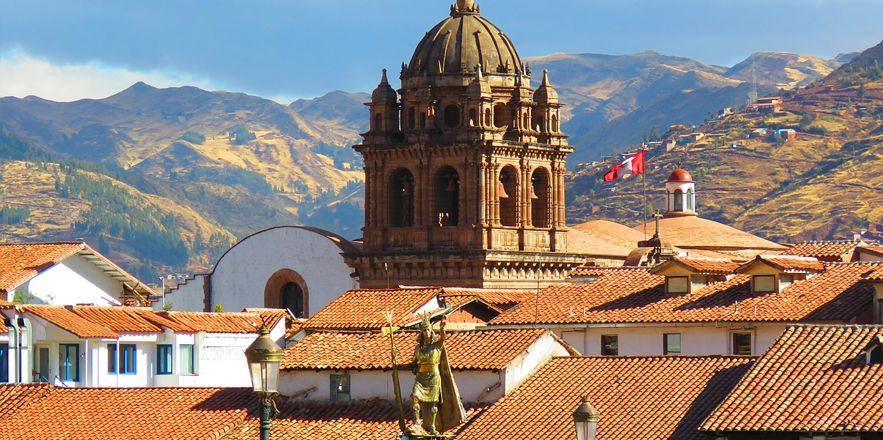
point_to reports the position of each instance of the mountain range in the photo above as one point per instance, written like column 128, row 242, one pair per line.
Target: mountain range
column 192, row 170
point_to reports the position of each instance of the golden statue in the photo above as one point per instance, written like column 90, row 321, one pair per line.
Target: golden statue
column 435, row 400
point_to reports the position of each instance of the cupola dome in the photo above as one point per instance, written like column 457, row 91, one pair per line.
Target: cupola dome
column 680, row 176
column 384, row 92
column 463, row 41
column 546, row 93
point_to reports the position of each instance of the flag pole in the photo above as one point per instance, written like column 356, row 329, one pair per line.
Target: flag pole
column 644, row 190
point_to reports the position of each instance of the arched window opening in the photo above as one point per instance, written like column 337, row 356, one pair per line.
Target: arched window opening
column 679, row 200
column 378, row 122
column 423, row 120
column 401, row 199
column 691, row 200
column 286, row 289
column 540, row 206
column 447, row 196
column 473, row 118
column 501, row 115
column 487, row 117
column 452, row 116
column 554, row 123
column 525, row 121
column 507, row 191
column 293, row 299
column 412, row 118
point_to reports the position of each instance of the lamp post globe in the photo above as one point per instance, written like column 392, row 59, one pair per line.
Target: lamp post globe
column 585, row 420
column 264, row 357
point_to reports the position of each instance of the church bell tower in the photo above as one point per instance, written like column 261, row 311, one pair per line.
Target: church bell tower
column 464, row 167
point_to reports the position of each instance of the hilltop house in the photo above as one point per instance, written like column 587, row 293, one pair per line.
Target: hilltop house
column 769, row 104
column 89, row 346
column 65, row 273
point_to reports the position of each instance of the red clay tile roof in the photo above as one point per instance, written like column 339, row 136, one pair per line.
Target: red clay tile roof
column 634, row 295
column 128, row 319
column 647, row 398
column 813, row 379
column 823, row 250
column 14, row 397
column 70, row 321
column 470, row 350
column 20, row 262
column 702, row 265
column 219, row 322
column 364, row 309
column 156, row 413
column 788, row 263
column 503, row 299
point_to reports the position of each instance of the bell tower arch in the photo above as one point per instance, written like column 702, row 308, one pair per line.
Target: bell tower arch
column 465, row 167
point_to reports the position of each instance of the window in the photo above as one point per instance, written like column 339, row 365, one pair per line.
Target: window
column 293, row 299
column 126, row 359
column 679, row 200
column 507, row 193
column 764, row 283
column 69, row 362
column 690, row 200
column 188, row 362
column 540, row 203
column 340, row 387
column 452, row 116
column 501, row 115
column 880, row 311
column 401, row 199
column 164, row 359
column 609, row 345
column 671, row 343
column 677, row 284
column 742, row 343
column 487, row 117
column 554, row 123
column 447, row 197
column 378, row 122
column 412, row 118
column 4, row 363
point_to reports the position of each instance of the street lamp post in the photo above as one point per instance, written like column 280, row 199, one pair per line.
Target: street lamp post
column 585, row 419
column 264, row 357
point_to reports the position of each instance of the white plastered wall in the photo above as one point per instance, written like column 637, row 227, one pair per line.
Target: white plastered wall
column 75, row 281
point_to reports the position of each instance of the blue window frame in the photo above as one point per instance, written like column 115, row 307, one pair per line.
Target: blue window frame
column 69, row 362
column 127, row 359
column 164, row 362
column 4, row 363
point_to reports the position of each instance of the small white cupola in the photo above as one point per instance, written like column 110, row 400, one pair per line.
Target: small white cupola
column 680, row 194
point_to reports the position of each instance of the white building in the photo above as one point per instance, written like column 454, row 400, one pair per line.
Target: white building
column 694, row 306
column 289, row 267
column 345, row 366
column 65, row 273
column 88, row 346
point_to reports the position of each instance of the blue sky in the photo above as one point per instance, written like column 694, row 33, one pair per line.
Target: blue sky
column 285, row 49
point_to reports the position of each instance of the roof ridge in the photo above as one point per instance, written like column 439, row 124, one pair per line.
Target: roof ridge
column 659, row 356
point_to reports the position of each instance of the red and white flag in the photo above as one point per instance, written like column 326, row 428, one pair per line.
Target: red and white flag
column 633, row 165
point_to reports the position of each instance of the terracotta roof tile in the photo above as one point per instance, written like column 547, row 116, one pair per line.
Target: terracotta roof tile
column 648, row 398
column 364, row 309
column 20, row 262
column 702, row 265
column 634, row 295
column 469, row 350
column 15, row 397
column 219, row 322
column 823, row 250
column 503, row 299
column 127, row 319
column 96, row 413
column 788, row 263
column 813, row 379
column 70, row 321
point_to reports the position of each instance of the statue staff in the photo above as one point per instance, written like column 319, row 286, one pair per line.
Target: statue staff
column 390, row 331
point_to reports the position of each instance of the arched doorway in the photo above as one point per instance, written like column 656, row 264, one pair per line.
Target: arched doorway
column 286, row 289
column 507, row 191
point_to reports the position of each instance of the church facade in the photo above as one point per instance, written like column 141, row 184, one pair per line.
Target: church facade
column 465, row 167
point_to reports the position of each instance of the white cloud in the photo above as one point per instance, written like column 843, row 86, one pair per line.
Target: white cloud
column 22, row 75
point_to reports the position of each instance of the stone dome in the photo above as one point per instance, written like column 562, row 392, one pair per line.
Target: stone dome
column 384, row 92
column 680, row 176
column 461, row 42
